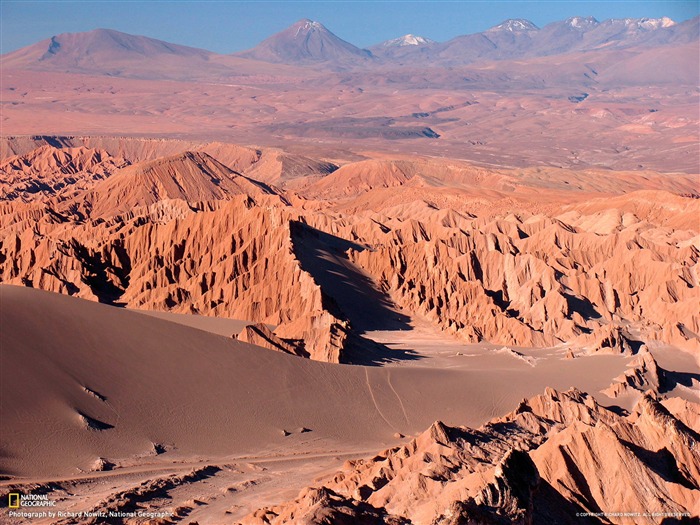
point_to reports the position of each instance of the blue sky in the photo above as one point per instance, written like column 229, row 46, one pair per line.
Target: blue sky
column 226, row 26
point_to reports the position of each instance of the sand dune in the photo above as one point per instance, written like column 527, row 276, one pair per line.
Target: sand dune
column 134, row 382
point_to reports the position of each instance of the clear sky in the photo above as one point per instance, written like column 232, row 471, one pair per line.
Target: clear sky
column 226, row 26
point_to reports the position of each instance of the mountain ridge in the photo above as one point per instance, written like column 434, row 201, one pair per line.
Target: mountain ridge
column 308, row 43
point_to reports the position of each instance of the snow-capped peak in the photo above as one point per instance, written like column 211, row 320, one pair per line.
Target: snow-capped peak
column 407, row 40
column 655, row 23
column 647, row 24
column 515, row 25
column 580, row 22
column 306, row 26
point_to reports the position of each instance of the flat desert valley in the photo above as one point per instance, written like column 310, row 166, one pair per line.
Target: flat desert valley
column 422, row 283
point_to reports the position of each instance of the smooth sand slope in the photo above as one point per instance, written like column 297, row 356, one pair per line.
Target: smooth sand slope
column 101, row 382
column 215, row 325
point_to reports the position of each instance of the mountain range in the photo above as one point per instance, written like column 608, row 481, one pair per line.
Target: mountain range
column 630, row 84
column 309, row 43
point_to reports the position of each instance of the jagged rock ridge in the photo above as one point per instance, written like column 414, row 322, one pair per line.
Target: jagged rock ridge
column 185, row 233
column 556, row 455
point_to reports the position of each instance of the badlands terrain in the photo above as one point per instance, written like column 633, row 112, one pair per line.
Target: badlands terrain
column 421, row 283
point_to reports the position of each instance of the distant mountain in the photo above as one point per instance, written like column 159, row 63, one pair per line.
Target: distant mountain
column 307, row 42
column 622, row 31
column 564, row 35
column 687, row 32
column 515, row 25
column 519, row 38
column 407, row 40
column 112, row 53
column 505, row 40
column 512, row 37
column 99, row 50
column 587, row 34
column 396, row 48
column 580, row 23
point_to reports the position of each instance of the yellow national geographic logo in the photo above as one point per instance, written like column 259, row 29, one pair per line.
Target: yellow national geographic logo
column 13, row 500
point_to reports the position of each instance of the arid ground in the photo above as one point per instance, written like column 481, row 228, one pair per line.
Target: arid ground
column 422, row 284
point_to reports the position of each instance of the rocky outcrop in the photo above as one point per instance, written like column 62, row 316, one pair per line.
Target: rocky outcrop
column 322, row 506
column 194, row 177
column 610, row 339
column 540, row 281
column 554, row 456
column 49, row 171
column 646, row 463
column 171, row 258
column 643, row 374
column 321, row 335
column 260, row 335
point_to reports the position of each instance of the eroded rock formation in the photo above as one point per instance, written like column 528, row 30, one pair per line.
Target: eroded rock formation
column 187, row 233
column 643, row 374
column 556, row 455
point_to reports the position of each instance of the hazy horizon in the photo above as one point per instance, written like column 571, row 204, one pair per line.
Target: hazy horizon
column 236, row 26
